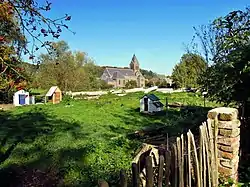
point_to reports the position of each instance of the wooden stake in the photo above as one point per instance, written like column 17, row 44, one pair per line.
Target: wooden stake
column 200, row 152
column 123, row 179
column 160, row 176
column 135, row 175
column 149, row 172
column 189, row 160
column 196, row 161
column 178, row 141
column 167, row 167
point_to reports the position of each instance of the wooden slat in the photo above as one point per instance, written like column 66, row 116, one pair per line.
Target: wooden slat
column 175, row 173
column 200, row 153
column 189, row 159
column 167, row 167
column 216, row 151
column 195, row 159
column 182, row 161
column 208, row 157
column 178, row 142
column 204, row 161
column 135, row 175
column 211, row 147
column 123, row 179
column 160, row 175
column 149, row 172
column 185, row 162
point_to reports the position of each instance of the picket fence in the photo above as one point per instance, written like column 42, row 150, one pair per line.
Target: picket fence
column 190, row 161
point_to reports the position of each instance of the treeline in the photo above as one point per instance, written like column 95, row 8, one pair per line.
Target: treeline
column 72, row 71
column 69, row 70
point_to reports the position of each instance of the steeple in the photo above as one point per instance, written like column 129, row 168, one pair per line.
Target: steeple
column 134, row 64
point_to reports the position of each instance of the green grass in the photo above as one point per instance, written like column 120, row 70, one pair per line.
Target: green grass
column 82, row 140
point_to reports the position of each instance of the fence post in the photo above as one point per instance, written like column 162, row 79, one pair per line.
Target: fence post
column 228, row 140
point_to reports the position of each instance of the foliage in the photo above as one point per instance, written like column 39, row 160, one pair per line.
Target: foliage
column 149, row 83
column 227, row 78
column 84, row 140
column 22, row 23
column 230, row 182
column 131, row 84
column 73, row 71
column 104, row 85
column 94, row 73
column 148, row 74
column 188, row 70
column 32, row 22
column 11, row 73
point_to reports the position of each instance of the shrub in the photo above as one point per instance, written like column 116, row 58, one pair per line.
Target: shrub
column 131, row 84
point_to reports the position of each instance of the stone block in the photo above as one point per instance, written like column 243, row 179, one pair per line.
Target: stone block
column 223, row 113
column 227, row 148
column 226, row 163
column 228, row 140
column 228, row 124
column 229, row 132
column 228, row 155
column 233, row 142
column 224, row 171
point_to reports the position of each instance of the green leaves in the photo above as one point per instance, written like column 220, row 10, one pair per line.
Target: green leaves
column 227, row 79
column 187, row 72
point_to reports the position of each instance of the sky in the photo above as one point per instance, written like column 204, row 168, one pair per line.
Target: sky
column 111, row 31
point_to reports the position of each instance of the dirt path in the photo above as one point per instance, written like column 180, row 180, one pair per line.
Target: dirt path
column 6, row 106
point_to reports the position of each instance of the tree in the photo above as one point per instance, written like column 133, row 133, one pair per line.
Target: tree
column 188, row 70
column 69, row 70
column 94, row 73
column 148, row 74
column 227, row 79
column 29, row 17
column 20, row 20
column 149, row 83
column 131, row 84
column 62, row 67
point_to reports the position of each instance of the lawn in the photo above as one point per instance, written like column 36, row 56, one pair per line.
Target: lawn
column 77, row 142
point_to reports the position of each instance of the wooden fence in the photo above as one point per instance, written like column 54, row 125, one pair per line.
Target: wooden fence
column 190, row 161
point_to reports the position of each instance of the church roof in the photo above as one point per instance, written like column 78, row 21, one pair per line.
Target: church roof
column 118, row 74
column 122, row 72
column 134, row 60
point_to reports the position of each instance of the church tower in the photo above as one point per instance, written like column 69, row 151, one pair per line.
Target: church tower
column 134, row 64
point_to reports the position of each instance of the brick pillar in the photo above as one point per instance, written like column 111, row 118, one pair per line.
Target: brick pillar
column 228, row 141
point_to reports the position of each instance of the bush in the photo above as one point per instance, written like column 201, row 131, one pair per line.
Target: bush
column 6, row 97
column 104, row 85
column 149, row 83
column 66, row 98
column 131, row 84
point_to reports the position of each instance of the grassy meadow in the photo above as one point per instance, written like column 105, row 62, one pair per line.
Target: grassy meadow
column 78, row 142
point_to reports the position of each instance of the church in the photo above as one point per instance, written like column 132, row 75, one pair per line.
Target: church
column 118, row 77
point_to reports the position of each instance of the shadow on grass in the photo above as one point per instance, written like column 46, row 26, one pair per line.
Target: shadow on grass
column 19, row 140
column 172, row 122
column 30, row 155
